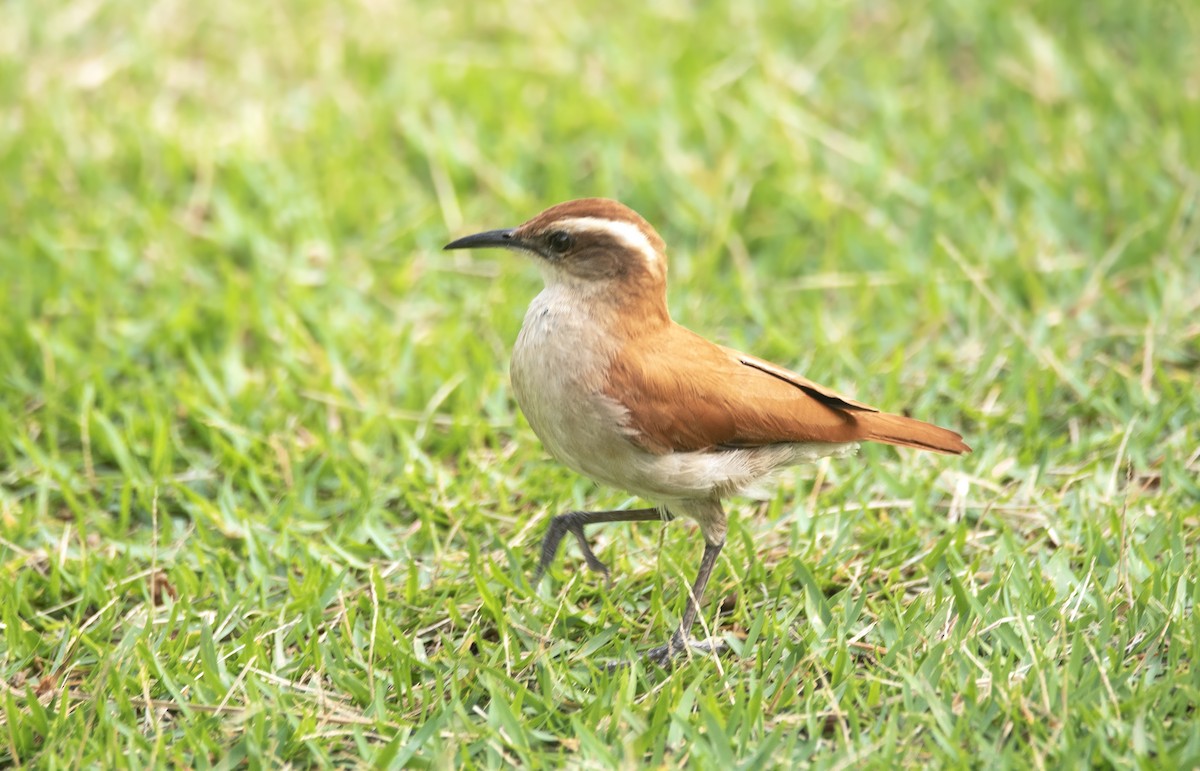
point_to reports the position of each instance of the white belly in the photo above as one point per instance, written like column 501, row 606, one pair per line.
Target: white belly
column 558, row 369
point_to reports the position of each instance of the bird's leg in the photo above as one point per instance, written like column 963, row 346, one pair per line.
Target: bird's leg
column 573, row 522
column 679, row 641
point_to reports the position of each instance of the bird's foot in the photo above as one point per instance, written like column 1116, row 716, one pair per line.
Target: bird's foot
column 665, row 655
column 571, row 522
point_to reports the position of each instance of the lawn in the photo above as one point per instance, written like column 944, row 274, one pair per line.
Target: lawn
column 265, row 494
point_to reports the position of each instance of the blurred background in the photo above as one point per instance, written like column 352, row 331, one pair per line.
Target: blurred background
column 230, row 343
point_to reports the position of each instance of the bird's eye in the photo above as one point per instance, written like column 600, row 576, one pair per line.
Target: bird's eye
column 560, row 241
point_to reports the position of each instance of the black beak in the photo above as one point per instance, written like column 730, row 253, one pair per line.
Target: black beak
column 492, row 238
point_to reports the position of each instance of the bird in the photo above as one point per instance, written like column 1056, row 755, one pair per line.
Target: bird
column 619, row 392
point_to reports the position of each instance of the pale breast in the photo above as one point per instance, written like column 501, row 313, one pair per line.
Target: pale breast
column 558, row 367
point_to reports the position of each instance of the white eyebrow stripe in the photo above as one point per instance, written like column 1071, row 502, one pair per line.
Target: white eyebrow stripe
column 627, row 233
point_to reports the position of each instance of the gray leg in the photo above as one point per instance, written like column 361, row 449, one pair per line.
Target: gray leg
column 573, row 522
column 679, row 641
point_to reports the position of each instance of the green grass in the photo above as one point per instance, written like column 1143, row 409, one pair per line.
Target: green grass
column 265, row 496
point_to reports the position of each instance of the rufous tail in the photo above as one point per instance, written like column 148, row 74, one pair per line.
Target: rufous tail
column 907, row 432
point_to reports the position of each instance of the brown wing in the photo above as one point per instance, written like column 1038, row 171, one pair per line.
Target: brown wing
column 684, row 393
column 816, row 390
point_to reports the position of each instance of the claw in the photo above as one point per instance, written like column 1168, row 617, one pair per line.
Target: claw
column 665, row 655
column 559, row 527
column 553, row 537
column 573, row 522
column 589, row 556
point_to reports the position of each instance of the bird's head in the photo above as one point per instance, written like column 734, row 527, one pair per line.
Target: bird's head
column 589, row 244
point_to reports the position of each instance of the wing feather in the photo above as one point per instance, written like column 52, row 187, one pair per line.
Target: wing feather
column 684, row 393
